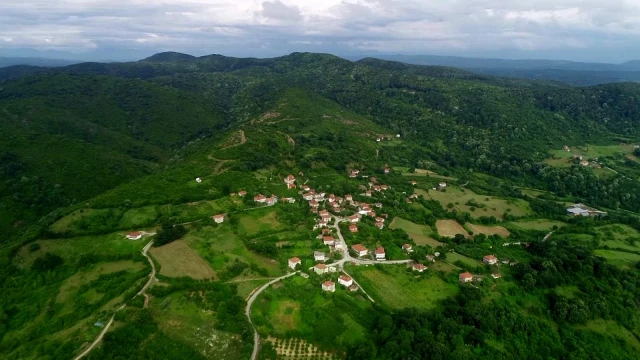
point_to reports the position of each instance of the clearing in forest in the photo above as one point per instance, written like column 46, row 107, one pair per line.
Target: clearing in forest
column 285, row 315
column 177, row 259
column 619, row 258
column 488, row 230
column 450, row 228
column 475, row 204
column 418, row 233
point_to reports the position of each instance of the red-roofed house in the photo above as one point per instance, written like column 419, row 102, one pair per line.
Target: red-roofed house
column 313, row 203
column 371, row 213
column 386, row 170
column 490, row 259
column 359, row 249
column 353, row 228
column 384, row 187
column 354, row 218
column 345, row 280
column 380, row 255
column 378, row 205
column 326, row 231
column 408, row 248
column 380, row 225
column 293, row 262
column 307, row 196
column 134, row 235
column 219, row 219
column 329, row 286
column 465, row 277
column 368, row 193
column 328, row 240
column 305, row 187
column 260, row 198
column 290, row 179
column 242, row 193
column 321, row 269
column 272, row 200
column 419, row 267
column 413, row 182
column 348, row 197
column 379, row 219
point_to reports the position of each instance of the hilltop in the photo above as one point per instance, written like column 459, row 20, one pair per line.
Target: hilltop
column 163, row 200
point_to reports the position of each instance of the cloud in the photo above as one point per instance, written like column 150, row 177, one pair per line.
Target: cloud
column 588, row 29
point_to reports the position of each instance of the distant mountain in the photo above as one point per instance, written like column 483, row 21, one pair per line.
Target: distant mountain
column 43, row 62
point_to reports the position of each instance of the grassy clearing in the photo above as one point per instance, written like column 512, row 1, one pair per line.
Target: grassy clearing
column 137, row 216
column 245, row 288
column 180, row 318
column 453, row 257
column 535, row 224
column 177, row 259
column 285, row 315
column 298, row 349
column 610, row 328
column 110, row 244
column 477, row 205
column 489, row 230
column 253, row 222
column 450, row 228
column 66, row 223
column 398, row 288
column 619, row 258
column 619, row 236
column 418, row 233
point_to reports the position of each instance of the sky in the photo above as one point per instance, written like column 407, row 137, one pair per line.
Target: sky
column 580, row 30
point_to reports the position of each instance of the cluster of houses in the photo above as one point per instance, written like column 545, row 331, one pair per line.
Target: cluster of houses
column 584, row 210
column 360, row 251
column 344, row 280
column 322, row 269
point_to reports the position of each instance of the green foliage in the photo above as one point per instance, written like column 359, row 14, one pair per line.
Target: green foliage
column 47, row 262
column 169, row 233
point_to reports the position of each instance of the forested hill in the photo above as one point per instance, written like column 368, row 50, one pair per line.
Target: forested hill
column 131, row 116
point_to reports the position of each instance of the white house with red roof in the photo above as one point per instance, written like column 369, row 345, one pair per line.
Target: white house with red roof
column 465, row 277
column 313, row 204
column 307, row 196
column 319, row 256
column 353, row 228
column 293, row 262
column 348, row 197
column 380, row 225
column 134, row 235
column 329, row 286
column 305, row 187
column 272, row 200
column 321, row 269
column 368, row 193
column 290, row 179
column 442, row 185
column 242, row 193
column 418, row 267
column 379, row 219
column 260, row 198
column 359, row 249
column 386, row 169
column 380, row 254
column 219, row 219
column 408, row 248
column 328, row 240
column 345, row 280
column 354, row 218
column 490, row 259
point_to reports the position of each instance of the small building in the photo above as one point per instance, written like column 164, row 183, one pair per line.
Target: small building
column 345, row 280
column 384, row 187
column 305, row 187
column 566, row 148
column 380, row 254
column 308, row 196
column 380, row 225
column 326, row 231
column 496, row 275
column 329, row 286
column 313, row 204
column 398, row 135
column 584, row 163
column 359, row 249
column 219, row 219
column 290, row 179
column 348, row 197
column 379, row 219
column 418, row 267
column 353, row 288
column 134, row 235
column 321, row 269
column 368, row 193
column 198, row 180
column 242, row 193
column 260, row 198
column 293, row 262
column 490, row 259
column 378, row 205
column 319, row 256
column 413, row 196
column 442, row 185
column 413, row 182
column 354, row 218
column 353, row 228
column 272, row 200
column 465, row 277
column 408, row 248
column 387, row 170
column 430, row 258
column 328, row 240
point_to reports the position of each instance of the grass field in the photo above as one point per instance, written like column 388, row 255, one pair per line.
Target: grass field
column 619, row 258
column 177, row 259
column 256, row 221
column 619, row 236
column 246, row 287
column 418, row 233
column 536, row 224
column 67, row 223
column 285, row 315
column 452, row 257
column 486, row 205
column 110, row 244
column 135, row 217
column 398, row 288
column 450, row 228
column 611, row 329
column 488, row 230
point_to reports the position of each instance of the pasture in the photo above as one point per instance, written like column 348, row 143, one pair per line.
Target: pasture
column 177, row 259
column 420, row 234
column 453, row 257
column 450, row 228
column 535, row 224
column 398, row 288
column 488, row 230
column 253, row 222
column 475, row 204
column 619, row 258
column 619, row 236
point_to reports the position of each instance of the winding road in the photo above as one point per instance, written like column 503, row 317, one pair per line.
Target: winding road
column 152, row 277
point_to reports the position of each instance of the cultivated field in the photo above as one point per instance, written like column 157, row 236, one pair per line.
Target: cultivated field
column 536, row 224
column 177, row 259
column 418, row 233
column 450, row 228
column 488, row 230
column 285, row 315
column 619, row 258
column 452, row 257
column 477, row 205
column 298, row 349
column 399, row 289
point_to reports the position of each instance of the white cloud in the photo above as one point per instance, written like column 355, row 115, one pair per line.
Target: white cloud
column 412, row 26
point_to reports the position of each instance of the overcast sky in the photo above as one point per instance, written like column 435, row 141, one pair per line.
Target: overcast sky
column 585, row 30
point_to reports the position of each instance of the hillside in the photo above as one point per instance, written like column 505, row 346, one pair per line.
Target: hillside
column 147, row 200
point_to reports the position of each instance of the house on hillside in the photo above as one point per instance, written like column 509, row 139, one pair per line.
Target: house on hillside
column 219, row 219
column 260, row 199
column 465, row 277
column 348, row 197
column 584, row 163
column 380, row 225
column 379, row 219
column 378, row 205
column 418, row 267
column 489, row 259
column 413, row 182
column 353, row 228
column 272, row 200
column 319, row 256
column 380, row 254
column 307, row 196
column 305, row 187
column 313, row 204
column 329, row 286
column 290, row 180
column 328, row 240
column 198, row 180
column 496, row 275
column 442, row 185
column 384, row 187
column 321, row 269
column 293, row 262
column 566, row 148
column 387, row 170
column 345, row 280
column 134, row 235
column 242, row 193
column 408, row 248
column 359, row 249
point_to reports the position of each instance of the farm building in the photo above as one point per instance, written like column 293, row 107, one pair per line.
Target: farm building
column 134, row 235
column 219, row 219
